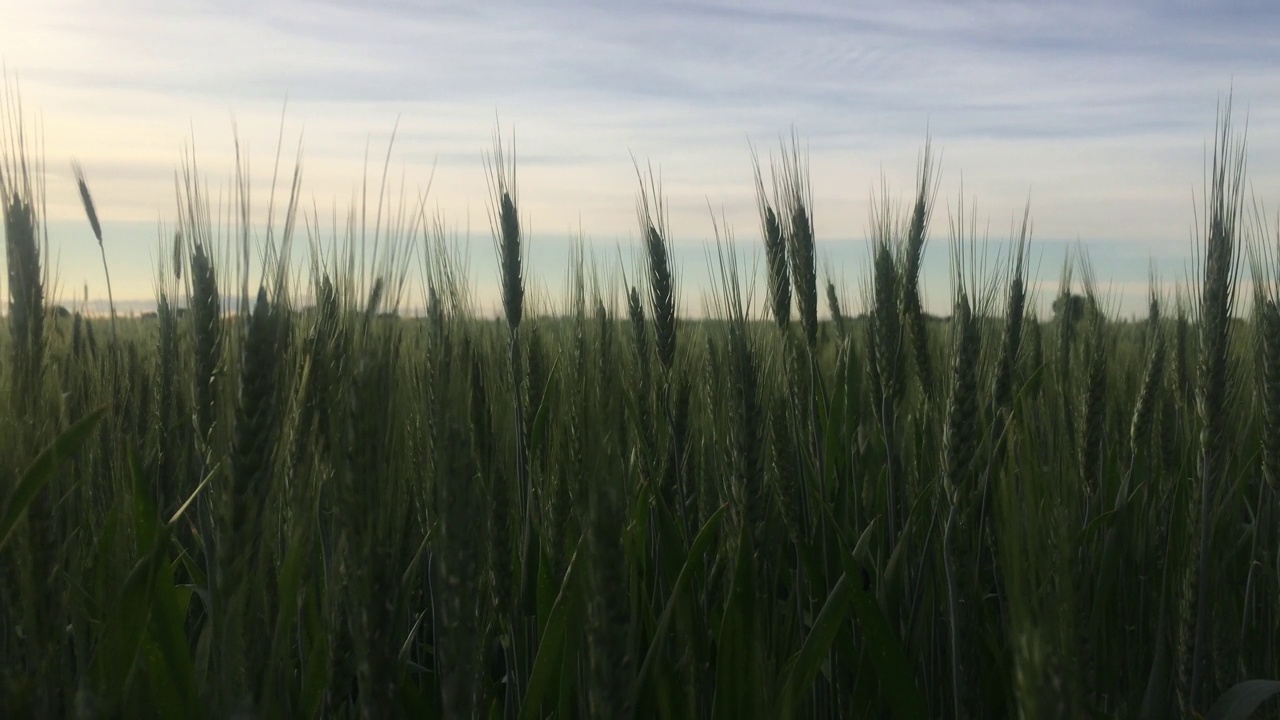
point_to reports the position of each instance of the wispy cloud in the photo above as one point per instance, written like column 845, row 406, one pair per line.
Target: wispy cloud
column 1098, row 111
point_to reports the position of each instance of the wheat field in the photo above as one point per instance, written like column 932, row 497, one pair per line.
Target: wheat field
column 286, row 499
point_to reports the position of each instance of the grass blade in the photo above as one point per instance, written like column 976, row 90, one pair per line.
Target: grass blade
column 804, row 667
column 550, row 651
column 42, row 470
column 697, row 550
column 1239, row 702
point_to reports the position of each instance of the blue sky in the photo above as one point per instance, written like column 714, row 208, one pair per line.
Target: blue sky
column 1099, row 113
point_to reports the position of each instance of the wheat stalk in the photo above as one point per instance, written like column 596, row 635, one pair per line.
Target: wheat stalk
column 244, row 496
column 92, row 214
column 1144, row 410
column 833, row 305
column 775, row 249
column 662, row 296
column 959, row 446
column 796, row 199
column 912, row 254
column 1015, row 309
column 206, row 313
column 1093, row 401
column 26, row 298
column 1217, row 299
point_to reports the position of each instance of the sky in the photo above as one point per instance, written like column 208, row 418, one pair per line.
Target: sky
column 1097, row 115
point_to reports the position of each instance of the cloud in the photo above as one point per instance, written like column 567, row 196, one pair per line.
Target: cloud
column 1098, row 111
